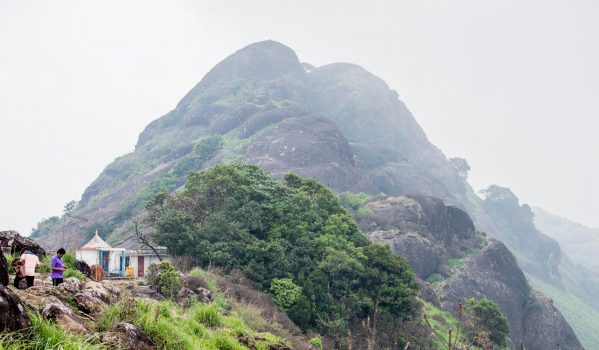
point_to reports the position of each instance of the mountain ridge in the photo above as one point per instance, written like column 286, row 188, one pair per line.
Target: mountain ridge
column 262, row 111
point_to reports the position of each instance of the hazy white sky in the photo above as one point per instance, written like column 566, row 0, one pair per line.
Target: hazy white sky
column 512, row 86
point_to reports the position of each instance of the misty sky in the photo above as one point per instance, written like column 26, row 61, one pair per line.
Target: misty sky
column 512, row 86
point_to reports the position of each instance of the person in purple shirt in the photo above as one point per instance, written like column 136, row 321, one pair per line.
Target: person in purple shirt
column 57, row 267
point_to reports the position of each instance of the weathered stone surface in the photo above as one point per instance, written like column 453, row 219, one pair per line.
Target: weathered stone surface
column 89, row 303
column 64, row 317
column 3, row 270
column 494, row 273
column 422, row 254
column 84, row 268
column 71, row 285
column 98, row 290
column 543, row 322
column 17, row 243
column 186, row 296
column 126, row 336
column 424, row 215
column 13, row 315
column 146, row 292
column 427, row 293
column 310, row 146
column 112, row 288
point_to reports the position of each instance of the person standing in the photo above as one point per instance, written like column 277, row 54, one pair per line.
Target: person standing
column 29, row 262
column 57, row 267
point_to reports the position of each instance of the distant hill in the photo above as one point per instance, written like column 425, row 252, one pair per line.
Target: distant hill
column 580, row 242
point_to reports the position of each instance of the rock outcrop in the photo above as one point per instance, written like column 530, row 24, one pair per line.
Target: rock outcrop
column 64, row 316
column 423, row 230
column 17, row 243
column 4, row 279
column 186, row 296
column 494, row 273
column 13, row 315
column 339, row 124
column 126, row 336
column 310, row 146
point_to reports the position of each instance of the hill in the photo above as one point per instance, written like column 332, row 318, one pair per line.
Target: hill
column 338, row 124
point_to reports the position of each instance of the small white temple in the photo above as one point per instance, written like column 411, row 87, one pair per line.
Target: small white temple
column 98, row 252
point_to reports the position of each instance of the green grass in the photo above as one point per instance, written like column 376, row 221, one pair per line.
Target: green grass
column 583, row 318
column 45, row 335
column 441, row 323
column 201, row 326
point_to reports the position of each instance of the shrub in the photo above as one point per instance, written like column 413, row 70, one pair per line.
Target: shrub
column 285, row 292
column 207, row 315
column 488, row 316
column 316, row 342
column 164, row 279
column 226, row 342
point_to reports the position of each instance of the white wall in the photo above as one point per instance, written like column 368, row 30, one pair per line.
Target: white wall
column 89, row 256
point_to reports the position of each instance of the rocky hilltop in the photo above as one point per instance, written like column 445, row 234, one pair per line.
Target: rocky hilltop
column 345, row 127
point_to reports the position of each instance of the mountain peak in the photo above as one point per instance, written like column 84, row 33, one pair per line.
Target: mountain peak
column 266, row 65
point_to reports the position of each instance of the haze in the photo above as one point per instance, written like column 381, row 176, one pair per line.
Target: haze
column 512, row 86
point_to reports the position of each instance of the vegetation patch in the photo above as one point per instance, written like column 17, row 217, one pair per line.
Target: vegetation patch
column 238, row 217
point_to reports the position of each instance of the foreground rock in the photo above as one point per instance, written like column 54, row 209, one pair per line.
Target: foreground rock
column 16, row 243
column 186, row 296
column 3, row 270
column 64, row 317
column 88, row 303
column 71, row 285
column 127, row 336
column 13, row 315
column 84, row 268
column 97, row 290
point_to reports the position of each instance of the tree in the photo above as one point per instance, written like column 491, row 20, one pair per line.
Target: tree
column 292, row 237
column 461, row 166
column 490, row 319
column 69, row 207
column 386, row 287
column 142, row 237
column 285, row 292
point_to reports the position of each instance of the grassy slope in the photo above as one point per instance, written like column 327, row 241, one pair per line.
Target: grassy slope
column 583, row 319
column 214, row 326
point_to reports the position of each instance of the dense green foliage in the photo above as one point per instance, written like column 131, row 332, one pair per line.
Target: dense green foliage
column 237, row 216
column 164, row 278
column 285, row 292
column 489, row 317
column 356, row 202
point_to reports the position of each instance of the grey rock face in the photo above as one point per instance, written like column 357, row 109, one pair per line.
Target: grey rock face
column 422, row 254
column 64, row 317
column 419, row 214
column 310, row 146
column 126, row 336
column 494, row 273
column 13, row 315
column 88, row 303
column 71, row 285
column 16, row 243
column 186, row 296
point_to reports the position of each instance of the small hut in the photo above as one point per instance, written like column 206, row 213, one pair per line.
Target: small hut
column 139, row 257
column 98, row 252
